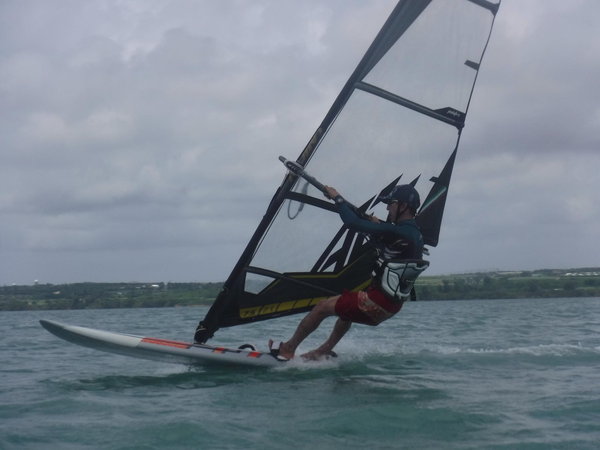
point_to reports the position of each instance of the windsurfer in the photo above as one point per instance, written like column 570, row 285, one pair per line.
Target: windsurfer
column 396, row 238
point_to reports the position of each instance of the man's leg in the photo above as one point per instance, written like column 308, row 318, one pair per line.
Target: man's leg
column 340, row 328
column 307, row 325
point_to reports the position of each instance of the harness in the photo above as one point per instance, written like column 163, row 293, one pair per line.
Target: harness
column 394, row 274
column 398, row 277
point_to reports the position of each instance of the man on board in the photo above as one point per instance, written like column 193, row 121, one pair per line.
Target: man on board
column 397, row 238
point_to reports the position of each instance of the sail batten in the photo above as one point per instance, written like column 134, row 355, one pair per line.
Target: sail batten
column 286, row 277
column 401, row 112
column 448, row 115
column 492, row 7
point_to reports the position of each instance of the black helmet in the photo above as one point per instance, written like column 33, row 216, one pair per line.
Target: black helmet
column 404, row 193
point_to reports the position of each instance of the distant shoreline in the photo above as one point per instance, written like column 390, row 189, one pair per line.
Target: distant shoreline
column 546, row 283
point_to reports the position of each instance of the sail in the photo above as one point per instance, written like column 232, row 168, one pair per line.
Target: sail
column 398, row 119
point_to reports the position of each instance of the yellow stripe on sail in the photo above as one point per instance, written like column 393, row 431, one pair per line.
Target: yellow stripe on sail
column 288, row 305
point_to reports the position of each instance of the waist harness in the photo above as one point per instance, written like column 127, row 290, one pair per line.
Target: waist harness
column 396, row 277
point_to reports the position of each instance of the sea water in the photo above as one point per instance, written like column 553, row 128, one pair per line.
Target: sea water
column 504, row 374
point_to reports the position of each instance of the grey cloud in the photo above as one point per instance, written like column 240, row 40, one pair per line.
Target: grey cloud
column 140, row 140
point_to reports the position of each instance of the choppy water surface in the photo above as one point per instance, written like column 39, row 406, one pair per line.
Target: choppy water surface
column 518, row 374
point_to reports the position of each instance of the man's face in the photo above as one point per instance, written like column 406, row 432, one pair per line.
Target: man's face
column 392, row 208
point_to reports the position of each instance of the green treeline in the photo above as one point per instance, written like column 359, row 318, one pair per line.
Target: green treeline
column 505, row 285
column 106, row 295
column 489, row 285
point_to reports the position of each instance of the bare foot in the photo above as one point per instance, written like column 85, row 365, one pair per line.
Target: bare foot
column 283, row 352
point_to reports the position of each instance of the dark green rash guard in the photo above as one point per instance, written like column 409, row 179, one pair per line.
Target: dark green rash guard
column 402, row 240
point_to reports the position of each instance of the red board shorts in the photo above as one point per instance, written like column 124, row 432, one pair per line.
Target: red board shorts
column 370, row 307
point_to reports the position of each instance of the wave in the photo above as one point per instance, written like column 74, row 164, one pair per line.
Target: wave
column 531, row 350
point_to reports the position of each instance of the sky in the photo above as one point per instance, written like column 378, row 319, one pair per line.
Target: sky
column 140, row 138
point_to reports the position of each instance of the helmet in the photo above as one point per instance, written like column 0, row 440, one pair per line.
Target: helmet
column 404, row 193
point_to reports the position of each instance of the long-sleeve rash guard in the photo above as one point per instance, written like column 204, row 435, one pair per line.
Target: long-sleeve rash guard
column 405, row 233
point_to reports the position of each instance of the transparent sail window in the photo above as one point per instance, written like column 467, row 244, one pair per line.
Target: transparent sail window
column 427, row 64
column 256, row 283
